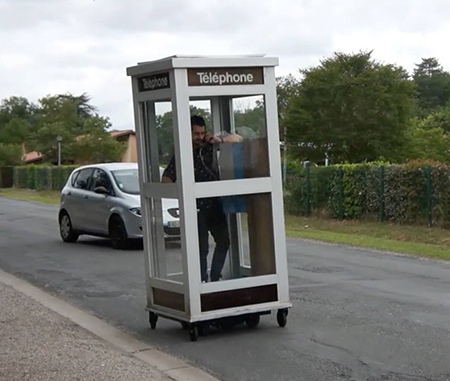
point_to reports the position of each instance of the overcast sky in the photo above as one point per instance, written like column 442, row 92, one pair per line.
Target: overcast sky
column 77, row 46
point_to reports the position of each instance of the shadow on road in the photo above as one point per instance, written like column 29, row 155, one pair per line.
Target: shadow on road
column 104, row 242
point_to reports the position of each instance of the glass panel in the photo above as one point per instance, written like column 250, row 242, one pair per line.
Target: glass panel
column 164, row 214
column 166, row 234
column 236, row 236
column 230, row 139
column 251, row 159
column 250, row 117
column 164, row 136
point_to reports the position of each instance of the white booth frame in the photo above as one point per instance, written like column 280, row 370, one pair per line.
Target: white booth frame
column 187, row 191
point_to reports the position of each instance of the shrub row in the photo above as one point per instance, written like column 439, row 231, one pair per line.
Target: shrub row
column 42, row 177
column 398, row 193
column 410, row 193
column 6, row 177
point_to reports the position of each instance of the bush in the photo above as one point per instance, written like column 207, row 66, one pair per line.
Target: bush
column 42, row 177
column 410, row 193
column 6, row 177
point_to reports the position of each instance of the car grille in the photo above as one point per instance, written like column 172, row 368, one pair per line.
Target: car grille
column 174, row 212
column 172, row 231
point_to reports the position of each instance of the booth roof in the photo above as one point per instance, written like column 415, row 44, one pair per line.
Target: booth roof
column 202, row 56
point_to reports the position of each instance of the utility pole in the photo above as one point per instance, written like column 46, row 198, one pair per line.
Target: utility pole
column 59, row 140
column 284, row 154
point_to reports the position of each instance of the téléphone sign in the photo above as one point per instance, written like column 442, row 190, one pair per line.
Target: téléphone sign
column 206, row 77
column 154, row 82
column 226, row 76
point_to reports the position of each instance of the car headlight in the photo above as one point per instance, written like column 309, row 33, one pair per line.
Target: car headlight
column 136, row 211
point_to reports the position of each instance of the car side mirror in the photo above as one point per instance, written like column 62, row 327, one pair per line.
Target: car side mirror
column 101, row 190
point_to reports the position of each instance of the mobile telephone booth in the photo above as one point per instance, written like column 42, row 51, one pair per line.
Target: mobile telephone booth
column 236, row 95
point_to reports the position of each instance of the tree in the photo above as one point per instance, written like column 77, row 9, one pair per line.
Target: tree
column 251, row 122
column 10, row 154
column 427, row 140
column 440, row 117
column 17, row 120
column 433, row 85
column 287, row 88
column 64, row 109
column 96, row 145
column 84, row 133
column 16, row 131
column 352, row 107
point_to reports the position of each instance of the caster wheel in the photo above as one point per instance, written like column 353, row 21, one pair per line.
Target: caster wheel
column 282, row 317
column 203, row 328
column 252, row 321
column 153, row 318
column 193, row 333
column 184, row 325
column 227, row 324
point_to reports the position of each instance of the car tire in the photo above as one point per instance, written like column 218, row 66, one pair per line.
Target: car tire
column 65, row 228
column 118, row 234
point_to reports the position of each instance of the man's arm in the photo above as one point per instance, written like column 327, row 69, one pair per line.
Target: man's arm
column 170, row 174
column 230, row 138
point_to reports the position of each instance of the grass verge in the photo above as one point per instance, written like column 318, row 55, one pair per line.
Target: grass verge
column 418, row 240
column 47, row 197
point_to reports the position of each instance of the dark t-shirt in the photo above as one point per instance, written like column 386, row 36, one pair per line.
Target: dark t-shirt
column 205, row 169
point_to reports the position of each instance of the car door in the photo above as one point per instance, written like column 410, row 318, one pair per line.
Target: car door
column 99, row 203
column 77, row 197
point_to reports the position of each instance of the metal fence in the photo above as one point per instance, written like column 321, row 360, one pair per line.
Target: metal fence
column 397, row 193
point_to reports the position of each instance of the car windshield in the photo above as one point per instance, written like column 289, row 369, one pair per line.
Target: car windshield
column 127, row 180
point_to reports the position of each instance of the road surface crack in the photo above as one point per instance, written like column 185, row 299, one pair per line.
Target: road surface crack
column 341, row 349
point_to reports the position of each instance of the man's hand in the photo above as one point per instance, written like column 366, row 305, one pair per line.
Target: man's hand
column 166, row 179
column 210, row 138
column 231, row 138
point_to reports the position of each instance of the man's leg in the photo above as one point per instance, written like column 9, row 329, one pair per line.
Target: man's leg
column 218, row 226
column 203, row 243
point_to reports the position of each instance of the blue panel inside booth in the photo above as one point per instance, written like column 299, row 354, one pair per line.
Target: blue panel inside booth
column 236, row 204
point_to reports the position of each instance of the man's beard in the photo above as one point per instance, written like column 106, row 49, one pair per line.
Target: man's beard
column 198, row 143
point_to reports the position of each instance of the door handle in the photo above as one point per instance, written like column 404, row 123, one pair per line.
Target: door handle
column 85, row 197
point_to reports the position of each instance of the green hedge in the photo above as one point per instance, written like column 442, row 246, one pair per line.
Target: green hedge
column 399, row 193
column 6, row 177
column 42, row 177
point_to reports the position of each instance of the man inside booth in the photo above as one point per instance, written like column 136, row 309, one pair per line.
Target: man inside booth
column 210, row 215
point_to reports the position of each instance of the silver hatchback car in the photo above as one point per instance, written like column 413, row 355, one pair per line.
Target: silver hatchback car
column 104, row 200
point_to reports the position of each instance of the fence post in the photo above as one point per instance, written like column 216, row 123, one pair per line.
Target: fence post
column 381, row 194
column 429, row 195
column 341, row 193
column 308, row 189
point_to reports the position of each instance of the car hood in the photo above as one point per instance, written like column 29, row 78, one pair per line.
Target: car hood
column 167, row 203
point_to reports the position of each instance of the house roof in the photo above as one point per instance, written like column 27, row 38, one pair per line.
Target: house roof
column 33, row 156
column 120, row 133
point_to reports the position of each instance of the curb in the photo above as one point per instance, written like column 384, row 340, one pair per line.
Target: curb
column 172, row 367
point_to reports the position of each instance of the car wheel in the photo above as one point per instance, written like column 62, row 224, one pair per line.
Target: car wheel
column 65, row 228
column 118, row 234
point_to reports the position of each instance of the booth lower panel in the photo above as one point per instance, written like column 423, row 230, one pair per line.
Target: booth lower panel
column 218, row 300
column 238, row 298
column 168, row 299
column 214, row 315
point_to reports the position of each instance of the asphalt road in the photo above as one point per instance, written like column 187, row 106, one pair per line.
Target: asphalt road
column 357, row 314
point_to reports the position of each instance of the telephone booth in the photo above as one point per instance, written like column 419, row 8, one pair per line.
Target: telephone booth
column 236, row 95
